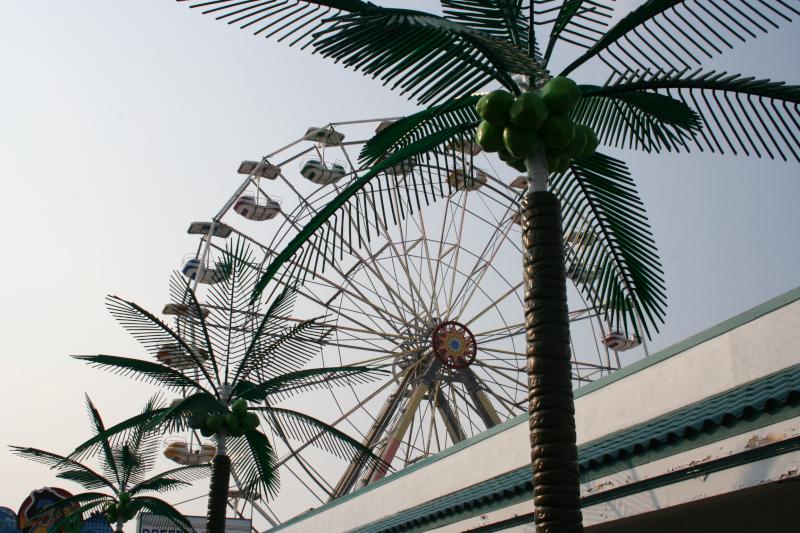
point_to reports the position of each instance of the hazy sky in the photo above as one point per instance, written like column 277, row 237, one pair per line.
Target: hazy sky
column 121, row 122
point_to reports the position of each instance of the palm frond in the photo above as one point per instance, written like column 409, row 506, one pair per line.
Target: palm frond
column 503, row 19
column 286, row 351
column 177, row 416
column 291, row 383
column 639, row 120
column 106, row 457
column 163, row 510
column 429, row 57
column 457, row 113
column 188, row 324
column 232, row 317
column 578, row 22
column 160, row 485
column 681, row 34
column 67, row 468
column 175, row 478
column 617, row 268
column 254, row 460
column 365, row 212
column 305, row 428
column 118, row 433
column 146, row 371
column 152, row 333
column 739, row 114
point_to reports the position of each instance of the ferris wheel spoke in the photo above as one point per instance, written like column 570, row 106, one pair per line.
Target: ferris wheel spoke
column 483, row 265
column 494, row 303
column 354, row 251
column 454, row 266
column 517, row 329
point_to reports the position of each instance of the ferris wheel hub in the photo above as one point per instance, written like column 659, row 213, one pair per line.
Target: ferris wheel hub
column 454, row 344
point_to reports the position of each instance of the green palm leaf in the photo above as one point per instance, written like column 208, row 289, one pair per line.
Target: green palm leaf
column 305, row 428
column 118, row 433
column 175, row 478
column 286, row 385
column 431, row 168
column 618, row 266
column 67, row 468
column 160, row 485
column 503, row 19
column 107, row 457
column 739, row 115
column 254, row 460
column 181, row 293
column 286, row 350
column 142, row 370
column 427, row 56
column 638, row 120
column 457, row 113
column 578, row 22
column 151, row 332
column 679, row 34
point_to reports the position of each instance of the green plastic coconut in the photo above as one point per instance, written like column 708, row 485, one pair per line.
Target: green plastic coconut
column 528, row 111
column 521, row 142
column 561, row 94
column 493, row 107
column 489, row 136
column 557, row 131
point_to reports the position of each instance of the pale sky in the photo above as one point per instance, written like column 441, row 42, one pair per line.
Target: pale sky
column 121, row 122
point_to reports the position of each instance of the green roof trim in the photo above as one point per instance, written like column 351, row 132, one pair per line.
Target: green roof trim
column 708, row 334
column 756, row 404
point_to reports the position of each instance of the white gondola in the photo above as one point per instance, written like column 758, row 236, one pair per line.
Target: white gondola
column 619, row 342
column 318, row 172
column 184, row 310
column 259, row 169
column 460, row 181
column 202, row 228
column 520, row 182
column 326, row 136
column 256, row 209
column 178, row 450
column 175, row 357
column 208, row 276
column 465, row 147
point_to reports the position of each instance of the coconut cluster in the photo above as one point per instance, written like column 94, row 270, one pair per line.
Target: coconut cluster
column 234, row 423
column 517, row 128
column 120, row 510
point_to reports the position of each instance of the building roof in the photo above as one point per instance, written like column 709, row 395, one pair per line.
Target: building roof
column 758, row 403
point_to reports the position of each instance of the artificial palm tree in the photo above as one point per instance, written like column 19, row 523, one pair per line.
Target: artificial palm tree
column 229, row 361
column 124, row 478
column 659, row 96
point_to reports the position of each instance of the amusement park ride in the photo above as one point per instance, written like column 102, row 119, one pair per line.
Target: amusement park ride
column 434, row 297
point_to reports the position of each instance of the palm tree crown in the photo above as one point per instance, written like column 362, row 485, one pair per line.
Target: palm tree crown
column 229, row 361
column 125, row 477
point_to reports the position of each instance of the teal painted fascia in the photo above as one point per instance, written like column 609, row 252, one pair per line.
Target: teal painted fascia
column 699, row 338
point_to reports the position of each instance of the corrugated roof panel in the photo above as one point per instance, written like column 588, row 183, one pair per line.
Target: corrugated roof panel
column 727, row 408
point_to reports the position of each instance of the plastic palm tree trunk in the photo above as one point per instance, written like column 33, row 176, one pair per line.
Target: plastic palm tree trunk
column 551, row 408
column 218, row 491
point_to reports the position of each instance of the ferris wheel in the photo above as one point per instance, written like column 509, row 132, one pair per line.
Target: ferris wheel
column 433, row 295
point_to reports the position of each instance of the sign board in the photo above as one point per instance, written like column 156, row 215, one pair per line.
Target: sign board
column 150, row 523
